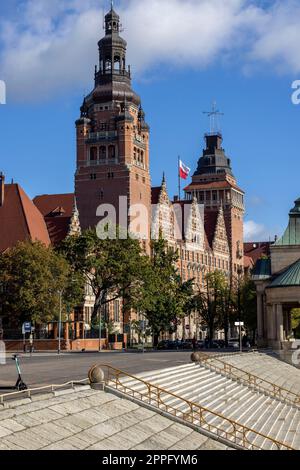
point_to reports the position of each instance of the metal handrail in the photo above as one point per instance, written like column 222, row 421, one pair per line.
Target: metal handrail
column 193, row 413
column 29, row 392
column 263, row 385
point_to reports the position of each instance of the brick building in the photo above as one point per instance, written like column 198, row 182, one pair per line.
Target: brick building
column 214, row 185
column 113, row 172
column 113, row 141
column 199, row 236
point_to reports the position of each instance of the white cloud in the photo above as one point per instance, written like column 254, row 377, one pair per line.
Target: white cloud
column 52, row 45
column 254, row 231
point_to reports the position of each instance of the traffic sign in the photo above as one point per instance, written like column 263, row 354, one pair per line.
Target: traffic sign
column 26, row 328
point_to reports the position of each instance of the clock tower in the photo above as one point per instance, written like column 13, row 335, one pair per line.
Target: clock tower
column 113, row 142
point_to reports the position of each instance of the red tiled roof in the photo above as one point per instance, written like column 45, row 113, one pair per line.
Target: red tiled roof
column 20, row 220
column 57, row 210
column 255, row 250
column 51, row 202
column 212, row 185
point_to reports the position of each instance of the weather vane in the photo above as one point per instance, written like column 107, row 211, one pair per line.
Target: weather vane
column 213, row 116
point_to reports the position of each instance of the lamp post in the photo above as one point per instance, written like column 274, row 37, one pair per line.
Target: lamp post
column 100, row 328
column 59, row 322
column 240, row 309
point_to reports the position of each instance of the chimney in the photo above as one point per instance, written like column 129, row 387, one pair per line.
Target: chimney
column 2, row 187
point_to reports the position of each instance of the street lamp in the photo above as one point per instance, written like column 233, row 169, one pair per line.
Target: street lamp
column 240, row 323
column 60, row 321
column 100, row 328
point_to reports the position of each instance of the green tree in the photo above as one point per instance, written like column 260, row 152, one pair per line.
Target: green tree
column 213, row 302
column 32, row 277
column 163, row 297
column 246, row 305
column 295, row 316
column 114, row 268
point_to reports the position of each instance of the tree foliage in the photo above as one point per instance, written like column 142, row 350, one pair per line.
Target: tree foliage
column 163, row 297
column 113, row 268
column 31, row 279
column 213, row 303
column 245, row 304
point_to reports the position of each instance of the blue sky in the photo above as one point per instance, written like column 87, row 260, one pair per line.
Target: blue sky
column 184, row 55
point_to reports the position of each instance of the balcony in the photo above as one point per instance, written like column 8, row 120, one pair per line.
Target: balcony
column 109, row 161
column 104, row 136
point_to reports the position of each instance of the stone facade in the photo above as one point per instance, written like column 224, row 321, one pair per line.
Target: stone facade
column 277, row 282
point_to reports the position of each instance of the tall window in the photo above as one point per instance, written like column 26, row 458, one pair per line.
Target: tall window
column 117, row 311
column 102, row 153
column 111, row 152
column 117, row 63
column 108, row 64
column 106, row 312
column 93, row 154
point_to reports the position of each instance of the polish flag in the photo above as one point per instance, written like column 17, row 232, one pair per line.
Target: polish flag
column 184, row 171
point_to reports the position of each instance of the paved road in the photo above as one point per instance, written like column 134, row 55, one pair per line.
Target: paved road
column 45, row 369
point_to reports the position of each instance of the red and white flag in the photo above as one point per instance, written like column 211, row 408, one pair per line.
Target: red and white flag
column 184, row 170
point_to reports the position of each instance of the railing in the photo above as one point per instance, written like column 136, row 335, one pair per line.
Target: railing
column 52, row 388
column 249, row 379
column 102, row 135
column 192, row 413
column 109, row 161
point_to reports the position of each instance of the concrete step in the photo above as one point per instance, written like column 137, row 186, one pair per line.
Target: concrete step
column 224, row 396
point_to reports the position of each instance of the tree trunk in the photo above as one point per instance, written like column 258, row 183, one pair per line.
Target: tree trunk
column 155, row 339
column 226, row 327
column 211, row 333
column 99, row 301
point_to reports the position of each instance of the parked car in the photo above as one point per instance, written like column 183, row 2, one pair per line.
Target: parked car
column 234, row 343
column 167, row 344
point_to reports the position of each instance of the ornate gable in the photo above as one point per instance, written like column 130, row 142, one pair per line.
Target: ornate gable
column 220, row 239
column 194, row 232
column 163, row 215
column 74, row 226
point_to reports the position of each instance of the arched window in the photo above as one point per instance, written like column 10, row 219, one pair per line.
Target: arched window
column 142, row 156
column 117, row 63
column 93, row 154
column 134, row 153
column 111, row 152
column 102, row 152
column 108, row 64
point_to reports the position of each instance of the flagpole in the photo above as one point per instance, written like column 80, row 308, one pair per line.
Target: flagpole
column 179, row 183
